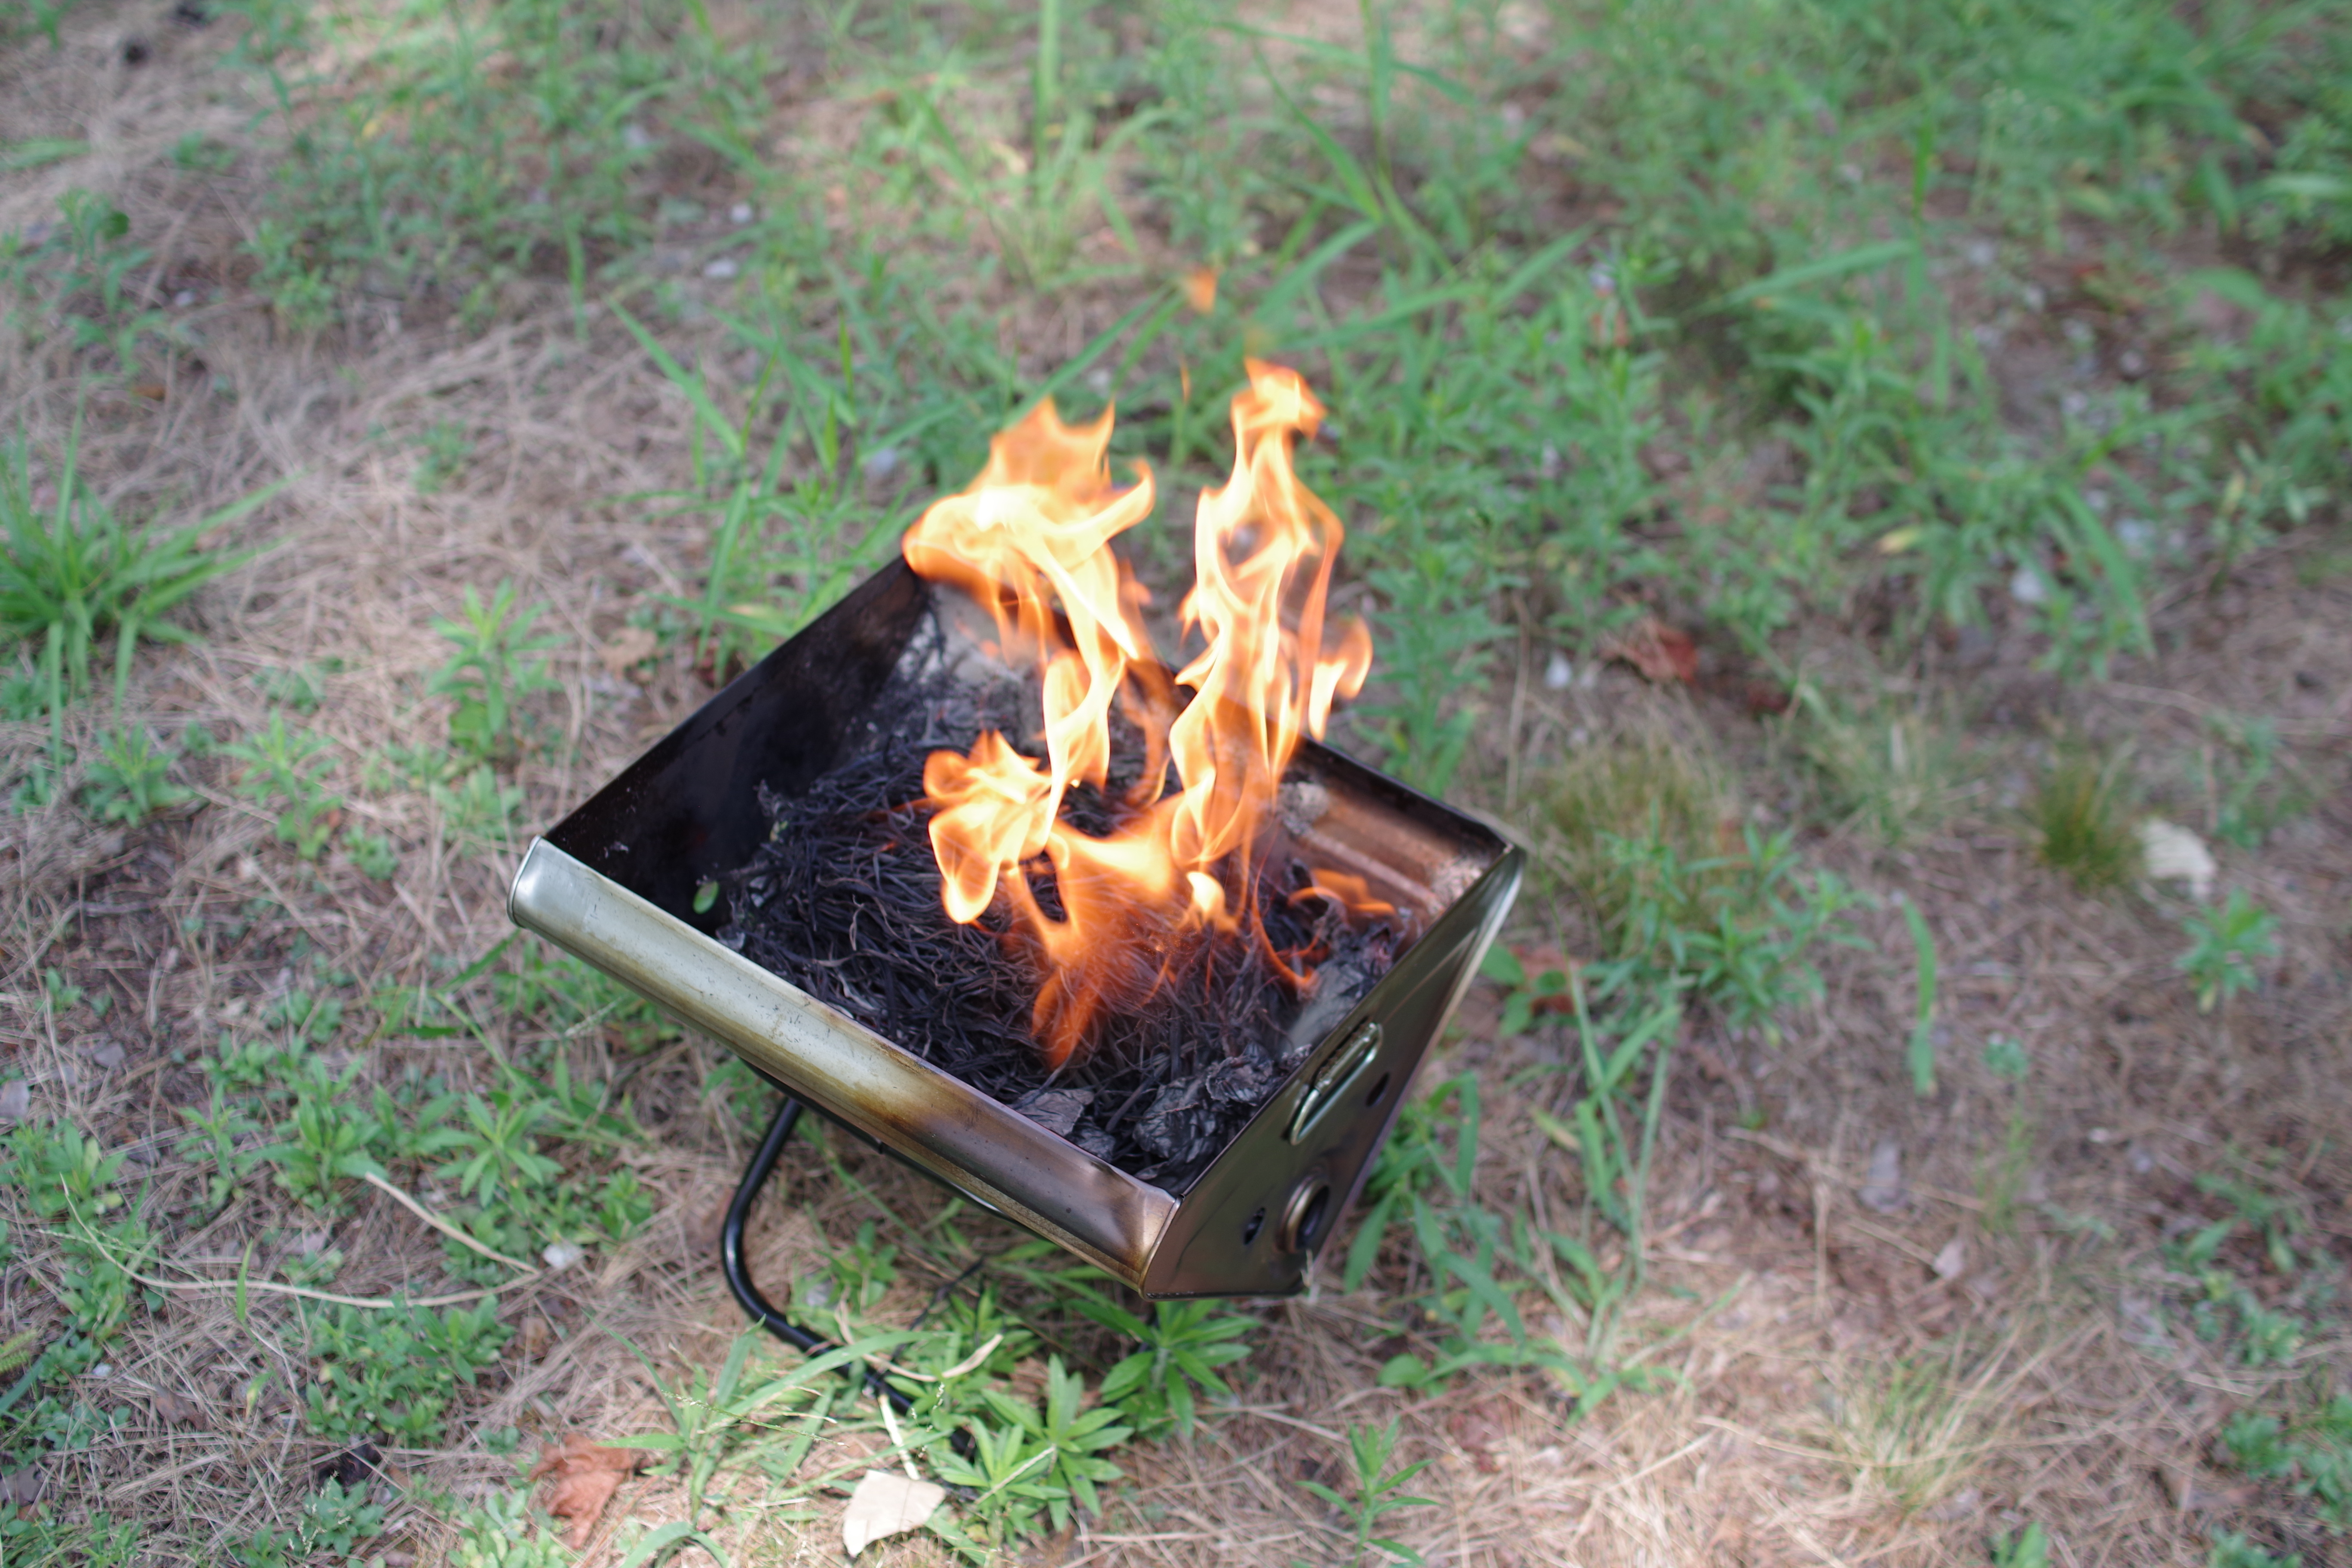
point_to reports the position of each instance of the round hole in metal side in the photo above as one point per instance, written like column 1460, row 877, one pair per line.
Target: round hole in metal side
column 1256, row 1223
column 1304, row 1212
column 1378, row 1092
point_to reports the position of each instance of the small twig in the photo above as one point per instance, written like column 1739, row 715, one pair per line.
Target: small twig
column 376, row 1302
column 899, row 1439
column 442, row 1226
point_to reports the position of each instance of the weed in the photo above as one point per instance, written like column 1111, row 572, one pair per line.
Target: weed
column 2224, row 946
column 1898, row 1425
column 1183, row 1345
column 503, row 1531
column 497, row 664
column 443, row 451
column 2312, row 1455
column 2030, row 1548
column 373, row 855
column 336, row 1519
column 2232, row 1550
column 1921, row 1051
column 778, row 553
column 81, row 276
column 1893, row 776
column 70, row 572
column 302, row 687
column 2241, row 761
column 2082, row 810
column 1643, row 786
column 285, row 768
column 1478, row 1262
column 2005, row 1172
column 1376, row 1494
column 1736, row 929
column 1525, row 993
column 477, row 809
column 520, row 141
column 130, row 781
column 1433, row 652
column 392, row 1371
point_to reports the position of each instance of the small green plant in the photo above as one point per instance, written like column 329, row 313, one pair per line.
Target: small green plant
column 337, row 1518
column 2006, row 1170
column 477, row 809
column 1182, row 1347
column 497, row 664
column 503, row 1531
column 1921, row 1051
column 2030, row 1548
column 442, row 453
column 2082, row 809
column 1525, row 993
column 72, row 571
column 1478, row 1263
column 1377, row 1494
column 128, row 783
column 373, row 855
column 2224, row 946
column 86, row 275
column 391, row 1372
column 2232, row 1550
column 285, row 768
column 301, row 688
column 1737, row 930
column 2241, row 769
column 2312, row 1455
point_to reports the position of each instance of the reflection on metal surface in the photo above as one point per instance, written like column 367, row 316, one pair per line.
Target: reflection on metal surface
column 1339, row 1070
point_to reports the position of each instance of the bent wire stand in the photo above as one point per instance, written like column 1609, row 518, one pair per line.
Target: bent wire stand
column 739, row 1273
column 763, row 1311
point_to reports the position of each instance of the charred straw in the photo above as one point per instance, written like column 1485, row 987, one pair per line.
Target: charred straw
column 844, row 901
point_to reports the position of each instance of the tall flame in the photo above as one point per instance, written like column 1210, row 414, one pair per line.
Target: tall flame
column 1030, row 538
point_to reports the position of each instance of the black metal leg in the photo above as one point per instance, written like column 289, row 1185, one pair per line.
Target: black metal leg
column 739, row 1274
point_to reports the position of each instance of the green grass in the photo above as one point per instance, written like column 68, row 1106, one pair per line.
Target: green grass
column 72, row 571
column 2083, row 813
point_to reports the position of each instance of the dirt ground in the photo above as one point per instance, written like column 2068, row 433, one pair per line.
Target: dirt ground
column 1802, row 1278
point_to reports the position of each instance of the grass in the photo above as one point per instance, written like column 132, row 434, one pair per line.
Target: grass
column 1943, row 372
column 2082, row 812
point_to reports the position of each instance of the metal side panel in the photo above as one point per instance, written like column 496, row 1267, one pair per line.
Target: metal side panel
column 1226, row 1240
column 993, row 1155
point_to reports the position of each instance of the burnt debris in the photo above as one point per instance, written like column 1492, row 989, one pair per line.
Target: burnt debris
column 843, row 901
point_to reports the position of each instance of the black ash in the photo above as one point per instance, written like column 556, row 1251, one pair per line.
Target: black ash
column 843, row 901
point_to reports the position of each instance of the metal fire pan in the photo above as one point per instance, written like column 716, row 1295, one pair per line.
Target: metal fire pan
column 614, row 884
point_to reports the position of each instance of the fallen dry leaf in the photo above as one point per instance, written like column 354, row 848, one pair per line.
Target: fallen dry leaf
column 2172, row 853
column 630, row 646
column 887, row 1503
column 1659, row 651
column 174, row 1411
column 586, row 1476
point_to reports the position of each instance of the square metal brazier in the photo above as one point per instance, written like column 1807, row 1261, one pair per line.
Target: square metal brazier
column 616, row 882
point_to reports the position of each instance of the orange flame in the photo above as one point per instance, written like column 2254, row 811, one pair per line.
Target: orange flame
column 1030, row 538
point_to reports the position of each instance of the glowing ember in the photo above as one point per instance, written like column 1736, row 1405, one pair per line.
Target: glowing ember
column 1030, row 541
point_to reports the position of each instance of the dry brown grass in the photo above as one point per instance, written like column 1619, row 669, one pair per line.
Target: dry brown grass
column 1849, row 1404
